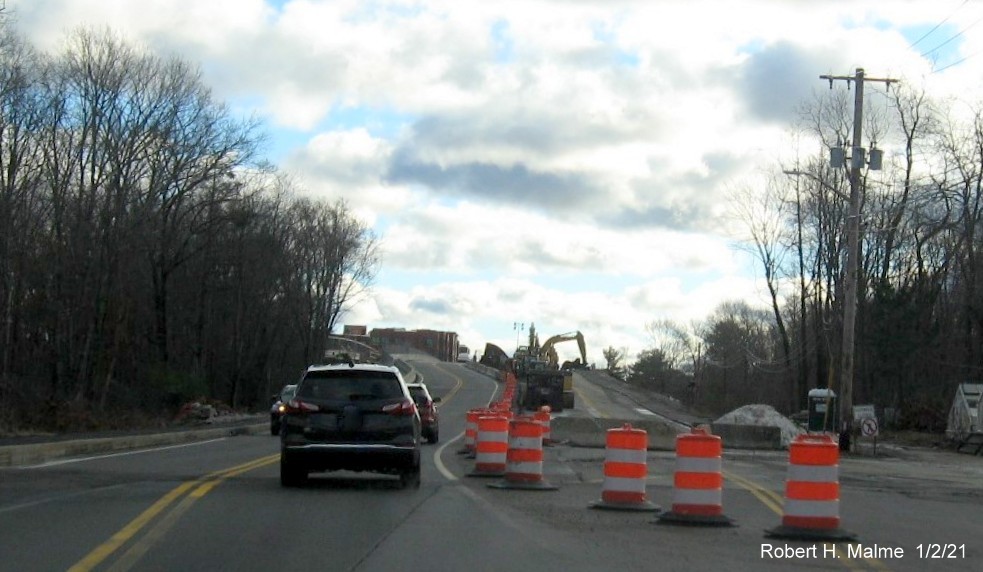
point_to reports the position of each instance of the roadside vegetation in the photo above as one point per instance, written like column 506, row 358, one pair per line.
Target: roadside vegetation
column 148, row 257
column 919, row 328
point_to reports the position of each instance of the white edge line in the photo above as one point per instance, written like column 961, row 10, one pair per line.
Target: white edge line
column 440, row 464
column 436, row 455
column 58, row 498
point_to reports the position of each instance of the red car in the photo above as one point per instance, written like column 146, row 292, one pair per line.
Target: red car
column 427, row 407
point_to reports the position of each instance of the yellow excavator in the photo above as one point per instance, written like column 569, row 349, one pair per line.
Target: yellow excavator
column 548, row 353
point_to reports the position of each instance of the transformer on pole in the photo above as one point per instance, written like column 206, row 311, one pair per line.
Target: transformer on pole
column 857, row 162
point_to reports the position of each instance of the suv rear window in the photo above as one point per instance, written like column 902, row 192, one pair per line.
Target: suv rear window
column 349, row 385
column 419, row 395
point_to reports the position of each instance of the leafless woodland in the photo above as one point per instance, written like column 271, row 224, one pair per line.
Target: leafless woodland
column 919, row 327
column 147, row 254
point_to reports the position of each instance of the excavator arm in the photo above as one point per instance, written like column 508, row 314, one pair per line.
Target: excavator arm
column 548, row 351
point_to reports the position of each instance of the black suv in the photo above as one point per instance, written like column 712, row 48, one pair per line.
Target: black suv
column 357, row 417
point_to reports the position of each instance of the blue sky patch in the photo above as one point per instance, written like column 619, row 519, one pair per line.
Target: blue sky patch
column 502, row 42
column 941, row 45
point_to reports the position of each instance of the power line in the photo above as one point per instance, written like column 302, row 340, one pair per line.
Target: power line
column 928, row 33
column 957, row 62
column 961, row 32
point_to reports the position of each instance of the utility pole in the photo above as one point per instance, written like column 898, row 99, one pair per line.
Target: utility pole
column 857, row 162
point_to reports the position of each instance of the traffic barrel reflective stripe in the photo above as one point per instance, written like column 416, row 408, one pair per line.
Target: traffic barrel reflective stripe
column 492, row 445
column 625, row 470
column 812, row 491
column 697, row 496
column 524, row 460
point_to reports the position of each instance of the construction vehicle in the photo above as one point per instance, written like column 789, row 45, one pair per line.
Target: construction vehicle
column 538, row 383
column 494, row 356
column 543, row 387
column 548, row 353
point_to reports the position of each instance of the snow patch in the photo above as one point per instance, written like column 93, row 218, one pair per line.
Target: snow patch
column 763, row 415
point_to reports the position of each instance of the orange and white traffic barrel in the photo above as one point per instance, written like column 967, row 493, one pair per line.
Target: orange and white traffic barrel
column 812, row 491
column 502, row 406
column 697, row 494
column 543, row 417
column 471, row 431
column 625, row 471
column 492, row 445
column 524, row 459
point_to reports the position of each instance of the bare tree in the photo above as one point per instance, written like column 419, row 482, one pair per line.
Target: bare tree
column 335, row 257
column 763, row 212
column 21, row 205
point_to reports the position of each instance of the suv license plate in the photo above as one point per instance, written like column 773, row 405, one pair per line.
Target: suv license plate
column 324, row 421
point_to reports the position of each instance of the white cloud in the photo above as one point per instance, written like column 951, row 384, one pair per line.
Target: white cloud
column 532, row 148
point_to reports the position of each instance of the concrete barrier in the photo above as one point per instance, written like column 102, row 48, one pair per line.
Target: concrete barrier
column 484, row 370
column 592, row 432
column 748, row 436
column 36, row 453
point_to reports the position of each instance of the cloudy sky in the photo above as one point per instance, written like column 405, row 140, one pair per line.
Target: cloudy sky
column 566, row 163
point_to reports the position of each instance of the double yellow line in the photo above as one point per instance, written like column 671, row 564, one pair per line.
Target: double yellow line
column 198, row 488
column 458, row 383
column 775, row 502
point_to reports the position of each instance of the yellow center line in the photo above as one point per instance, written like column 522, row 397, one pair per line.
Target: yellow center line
column 205, row 484
column 775, row 502
column 450, row 394
column 769, row 498
column 102, row 551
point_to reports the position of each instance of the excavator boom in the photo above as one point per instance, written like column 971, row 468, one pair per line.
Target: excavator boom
column 548, row 351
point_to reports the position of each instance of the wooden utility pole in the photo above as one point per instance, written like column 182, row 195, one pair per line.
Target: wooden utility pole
column 857, row 162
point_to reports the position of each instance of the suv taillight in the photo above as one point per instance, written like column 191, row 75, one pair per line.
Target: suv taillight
column 404, row 407
column 297, row 406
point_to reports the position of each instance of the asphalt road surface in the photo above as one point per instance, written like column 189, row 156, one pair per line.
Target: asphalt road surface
column 218, row 505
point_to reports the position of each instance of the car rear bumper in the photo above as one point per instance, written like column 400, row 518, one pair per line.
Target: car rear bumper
column 378, row 457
